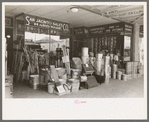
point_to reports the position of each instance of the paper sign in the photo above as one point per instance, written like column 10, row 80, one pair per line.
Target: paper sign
column 60, row 89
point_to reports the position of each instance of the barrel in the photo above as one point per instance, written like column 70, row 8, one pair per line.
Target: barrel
column 119, row 75
column 85, row 51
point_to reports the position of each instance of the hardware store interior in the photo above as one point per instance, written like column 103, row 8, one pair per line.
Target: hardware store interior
column 74, row 51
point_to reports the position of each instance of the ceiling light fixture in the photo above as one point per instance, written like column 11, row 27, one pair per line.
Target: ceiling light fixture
column 74, row 9
column 8, row 36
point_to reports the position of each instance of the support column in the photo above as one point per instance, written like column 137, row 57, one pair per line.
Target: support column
column 135, row 43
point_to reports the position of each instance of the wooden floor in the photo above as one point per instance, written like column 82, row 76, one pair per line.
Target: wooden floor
column 115, row 89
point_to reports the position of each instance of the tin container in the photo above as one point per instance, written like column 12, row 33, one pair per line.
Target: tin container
column 124, row 77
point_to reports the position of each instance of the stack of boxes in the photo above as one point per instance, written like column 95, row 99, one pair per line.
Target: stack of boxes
column 75, row 84
column 129, row 70
column 133, row 70
column 34, row 81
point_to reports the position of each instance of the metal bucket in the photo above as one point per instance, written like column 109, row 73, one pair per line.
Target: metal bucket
column 124, row 77
column 51, row 88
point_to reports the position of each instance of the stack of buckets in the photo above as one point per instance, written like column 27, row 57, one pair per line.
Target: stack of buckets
column 85, row 56
column 107, row 69
column 75, row 81
column 98, row 63
column 114, row 70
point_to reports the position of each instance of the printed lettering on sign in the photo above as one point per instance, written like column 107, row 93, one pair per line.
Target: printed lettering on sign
column 45, row 23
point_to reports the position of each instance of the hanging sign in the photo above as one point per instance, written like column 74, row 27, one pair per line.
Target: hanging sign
column 123, row 14
column 79, row 31
column 128, row 28
column 45, row 23
column 97, row 30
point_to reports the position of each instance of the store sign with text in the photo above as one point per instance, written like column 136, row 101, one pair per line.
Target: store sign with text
column 46, row 23
column 116, row 27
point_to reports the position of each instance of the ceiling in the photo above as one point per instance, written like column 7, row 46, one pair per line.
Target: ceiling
column 88, row 15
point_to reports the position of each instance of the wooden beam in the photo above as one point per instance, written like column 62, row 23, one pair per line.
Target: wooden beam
column 137, row 19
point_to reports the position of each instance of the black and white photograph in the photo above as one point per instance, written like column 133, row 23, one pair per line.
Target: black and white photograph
column 82, row 54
